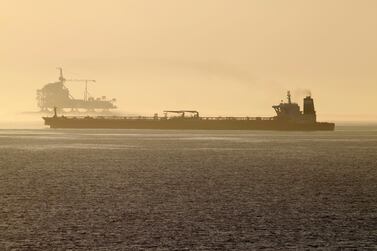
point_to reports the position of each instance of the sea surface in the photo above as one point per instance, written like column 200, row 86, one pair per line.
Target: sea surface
column 188, row 190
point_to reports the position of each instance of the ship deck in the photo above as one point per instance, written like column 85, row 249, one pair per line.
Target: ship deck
column 177, row 123
column 219, row 118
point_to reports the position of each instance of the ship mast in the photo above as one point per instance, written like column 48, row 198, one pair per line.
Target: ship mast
column 289, row 97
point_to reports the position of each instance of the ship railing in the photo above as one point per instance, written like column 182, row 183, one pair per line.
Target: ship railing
column 169, row 118
column 237, row 118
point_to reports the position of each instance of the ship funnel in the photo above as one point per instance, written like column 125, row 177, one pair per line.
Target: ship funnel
column 309, row 113
column 309, row 106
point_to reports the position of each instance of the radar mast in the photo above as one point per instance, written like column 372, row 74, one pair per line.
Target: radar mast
column 289, row 97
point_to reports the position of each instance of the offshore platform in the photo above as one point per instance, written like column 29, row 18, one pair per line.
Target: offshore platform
column 56, row 94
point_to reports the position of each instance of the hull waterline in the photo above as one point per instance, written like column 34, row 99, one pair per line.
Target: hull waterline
column 184, row 124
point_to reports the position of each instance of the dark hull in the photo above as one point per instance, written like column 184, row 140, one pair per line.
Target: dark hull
column 185, row 124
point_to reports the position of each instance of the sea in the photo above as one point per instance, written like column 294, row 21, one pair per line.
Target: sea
column 188, row 190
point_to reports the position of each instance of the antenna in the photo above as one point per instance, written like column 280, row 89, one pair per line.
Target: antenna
column 289, row 97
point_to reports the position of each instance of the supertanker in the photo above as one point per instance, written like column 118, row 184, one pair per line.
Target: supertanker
column 288, row 117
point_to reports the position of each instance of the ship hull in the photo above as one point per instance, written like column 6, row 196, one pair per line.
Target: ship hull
column 185, row 124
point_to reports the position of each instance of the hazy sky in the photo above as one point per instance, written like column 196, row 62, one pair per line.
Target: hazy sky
column 218, row 56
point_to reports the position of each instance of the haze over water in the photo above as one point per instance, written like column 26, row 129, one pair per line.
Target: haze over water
column 221, row 57
column 190, row 190
column 193, row 190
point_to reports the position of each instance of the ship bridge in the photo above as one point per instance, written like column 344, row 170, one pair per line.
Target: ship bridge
column 287, row 110
column 291, row 111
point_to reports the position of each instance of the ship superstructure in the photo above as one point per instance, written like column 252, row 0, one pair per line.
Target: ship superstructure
column 291, row 111
column 56, row 94
column 288, row 117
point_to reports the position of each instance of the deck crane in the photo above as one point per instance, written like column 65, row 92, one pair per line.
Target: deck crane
column 86, row 93
column 62, row 80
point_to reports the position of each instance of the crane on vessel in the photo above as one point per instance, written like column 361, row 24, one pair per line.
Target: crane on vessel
column 86, row 81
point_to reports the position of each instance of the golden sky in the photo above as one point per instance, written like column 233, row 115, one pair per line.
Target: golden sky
column 217, row 56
